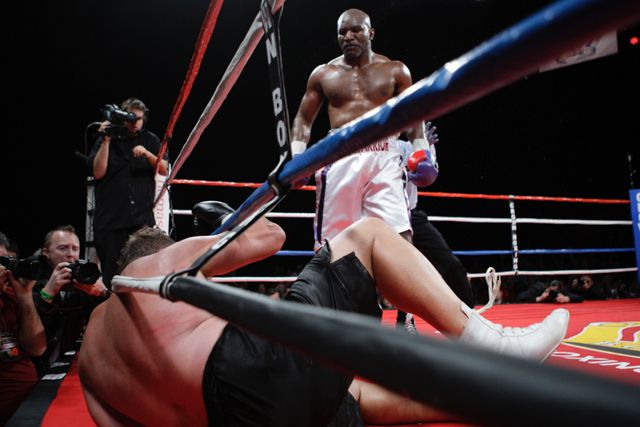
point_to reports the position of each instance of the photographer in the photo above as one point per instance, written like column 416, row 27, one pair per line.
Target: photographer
column 21, row 336
column 552, row 292
column 66, row 295
column 123, row 162
column 585, row 287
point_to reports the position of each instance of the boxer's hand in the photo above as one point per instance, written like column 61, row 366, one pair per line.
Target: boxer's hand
column 209, row 215
column 423, row 171
column 432, row 136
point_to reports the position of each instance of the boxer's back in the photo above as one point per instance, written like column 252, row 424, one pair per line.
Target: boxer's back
column 140, row 345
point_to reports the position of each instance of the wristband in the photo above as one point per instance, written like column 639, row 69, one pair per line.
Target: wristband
column 45, row 296
column 420, row 144
column 297, row 147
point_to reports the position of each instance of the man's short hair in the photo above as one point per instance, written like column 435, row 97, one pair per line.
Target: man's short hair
column 133, row 104
column 145, row 241
column 49, row 236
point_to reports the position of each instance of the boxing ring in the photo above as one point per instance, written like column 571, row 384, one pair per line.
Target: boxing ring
column 496, row 63
column 512, row 54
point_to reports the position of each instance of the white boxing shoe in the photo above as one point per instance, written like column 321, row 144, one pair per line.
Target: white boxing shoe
column 536, row 342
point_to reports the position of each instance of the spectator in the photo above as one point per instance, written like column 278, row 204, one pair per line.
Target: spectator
column 553, row 292
column 123, row 164
column 585, row 287
column 22, row 336
column 13, row 250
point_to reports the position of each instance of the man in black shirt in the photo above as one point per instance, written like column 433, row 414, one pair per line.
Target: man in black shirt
column 123, row 166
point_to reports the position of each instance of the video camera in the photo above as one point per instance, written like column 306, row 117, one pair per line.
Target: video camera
column 117, row 129
column 35, row 267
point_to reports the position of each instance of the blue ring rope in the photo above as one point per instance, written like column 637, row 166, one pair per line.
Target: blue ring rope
column 499, row 251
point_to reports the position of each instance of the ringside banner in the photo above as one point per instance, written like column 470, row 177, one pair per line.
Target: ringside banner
column 605, row 45
column 162, row 208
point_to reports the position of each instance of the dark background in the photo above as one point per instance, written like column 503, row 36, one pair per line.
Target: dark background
column 566, row 132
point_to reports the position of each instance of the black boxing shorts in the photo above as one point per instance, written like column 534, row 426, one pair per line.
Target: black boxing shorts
column 250, row 381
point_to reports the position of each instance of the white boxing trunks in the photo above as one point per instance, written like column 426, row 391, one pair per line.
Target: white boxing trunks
column 368, row 183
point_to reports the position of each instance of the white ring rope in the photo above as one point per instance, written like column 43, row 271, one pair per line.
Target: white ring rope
column 470, row 219
column 271, row 279
column 559, row 272
column 459, row 219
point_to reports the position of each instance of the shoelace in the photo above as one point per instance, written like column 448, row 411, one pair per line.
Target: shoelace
column 410, row 325
column 513, row 330
column 493, row 285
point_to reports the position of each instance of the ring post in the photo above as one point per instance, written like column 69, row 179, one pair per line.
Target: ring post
column 634, row 199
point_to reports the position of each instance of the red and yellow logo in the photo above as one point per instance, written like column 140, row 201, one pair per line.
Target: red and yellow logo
column 611, row 337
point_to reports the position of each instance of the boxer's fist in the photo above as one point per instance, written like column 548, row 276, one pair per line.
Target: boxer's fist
column 423, row 171
column 209, row 215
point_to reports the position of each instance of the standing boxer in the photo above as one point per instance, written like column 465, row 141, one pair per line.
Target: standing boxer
column 371, row 182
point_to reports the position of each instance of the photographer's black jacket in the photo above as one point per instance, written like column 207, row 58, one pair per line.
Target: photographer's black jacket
column 125, row 195
column 63, row 320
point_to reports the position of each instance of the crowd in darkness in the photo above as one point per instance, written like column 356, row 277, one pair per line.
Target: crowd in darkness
column 523, row 289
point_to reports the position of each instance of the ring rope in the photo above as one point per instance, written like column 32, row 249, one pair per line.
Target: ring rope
column 272, row 279
column 204, row 36
column 207, row 183
column 228, row 80
column 498, row 251
column 469, row 219
column 488, row 220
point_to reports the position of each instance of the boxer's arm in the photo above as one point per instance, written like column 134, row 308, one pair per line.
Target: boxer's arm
column 403, row 79
column 307, row 112
column 261, row 240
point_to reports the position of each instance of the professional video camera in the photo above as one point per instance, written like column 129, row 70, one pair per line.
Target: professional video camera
column 117, row 129
column 35, row 267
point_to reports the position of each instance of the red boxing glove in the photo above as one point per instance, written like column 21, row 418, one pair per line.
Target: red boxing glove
column 422, row 170
column 415, row 158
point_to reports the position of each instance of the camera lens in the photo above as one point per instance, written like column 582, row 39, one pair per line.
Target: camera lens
column 84, row 272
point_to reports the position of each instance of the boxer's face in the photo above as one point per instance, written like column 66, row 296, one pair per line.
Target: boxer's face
column 354, row 35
